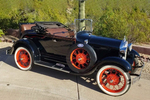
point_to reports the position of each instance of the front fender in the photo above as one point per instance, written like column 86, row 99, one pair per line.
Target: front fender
column 29, row 44
column 116, row 61
column 134, row 52
column 131, row 55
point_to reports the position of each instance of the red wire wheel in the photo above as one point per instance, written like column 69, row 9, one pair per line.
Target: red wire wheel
column 23, row 58
column 113, row 80
column 80, row 58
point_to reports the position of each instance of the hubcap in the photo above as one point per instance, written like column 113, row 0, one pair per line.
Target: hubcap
column 24, row 58
column 81, row 58
column 113, row 79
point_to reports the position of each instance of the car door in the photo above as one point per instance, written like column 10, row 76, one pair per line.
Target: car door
column 58, row 45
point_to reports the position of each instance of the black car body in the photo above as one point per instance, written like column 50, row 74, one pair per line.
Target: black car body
column 53, row 45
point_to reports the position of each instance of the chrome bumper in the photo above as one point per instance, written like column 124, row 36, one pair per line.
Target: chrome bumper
column 138, row 76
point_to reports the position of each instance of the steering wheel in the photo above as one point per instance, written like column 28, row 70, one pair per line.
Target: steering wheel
column 40, row 28
column 83, row 28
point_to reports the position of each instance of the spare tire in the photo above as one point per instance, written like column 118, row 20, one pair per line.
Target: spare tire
column 81, row 58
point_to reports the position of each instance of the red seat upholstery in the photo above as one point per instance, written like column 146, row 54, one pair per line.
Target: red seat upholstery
column 25, row 27
column 53, row 31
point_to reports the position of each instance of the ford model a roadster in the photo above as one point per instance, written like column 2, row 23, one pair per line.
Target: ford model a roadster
column 53, row 45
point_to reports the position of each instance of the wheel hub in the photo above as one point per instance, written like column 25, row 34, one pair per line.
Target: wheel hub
column 24, row 58
column 113, row 79
column 81, row 58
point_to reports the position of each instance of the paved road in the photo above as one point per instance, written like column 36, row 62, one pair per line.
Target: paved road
column 45, row 84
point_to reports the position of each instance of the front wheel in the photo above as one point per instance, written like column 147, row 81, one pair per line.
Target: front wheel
column 23, row 58
column 113, row 80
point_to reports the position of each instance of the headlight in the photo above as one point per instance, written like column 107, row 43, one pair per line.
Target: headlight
column 123, row 49
column 130, row 46
column 123, row 46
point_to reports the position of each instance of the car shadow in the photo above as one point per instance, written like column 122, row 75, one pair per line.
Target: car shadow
column 87, row 81
column 3, row 53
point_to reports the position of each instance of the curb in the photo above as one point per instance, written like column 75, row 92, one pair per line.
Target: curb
column 145, row 52
column 142, row 49
column 8, row 38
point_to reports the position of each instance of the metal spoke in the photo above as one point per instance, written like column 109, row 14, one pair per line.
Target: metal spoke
column 114, row 88
column 108, row 86
column 118, row 87
column 122, row 82
column 105, row 83
column 105, row 73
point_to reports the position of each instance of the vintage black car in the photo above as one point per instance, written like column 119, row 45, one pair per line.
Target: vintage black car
column 53, row 45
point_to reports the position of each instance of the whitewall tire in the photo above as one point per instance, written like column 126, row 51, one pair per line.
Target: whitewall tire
column 23, row 58
column 113, row 80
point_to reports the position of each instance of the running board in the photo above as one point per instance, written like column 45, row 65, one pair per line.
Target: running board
column 60, row 67
column 55, row 66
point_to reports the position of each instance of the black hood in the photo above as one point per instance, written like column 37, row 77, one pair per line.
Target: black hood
column 98, row 40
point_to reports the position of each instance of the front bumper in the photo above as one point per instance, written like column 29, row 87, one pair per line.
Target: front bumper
column 139, row 72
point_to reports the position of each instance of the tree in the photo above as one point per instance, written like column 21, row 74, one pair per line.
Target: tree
column 81, row 13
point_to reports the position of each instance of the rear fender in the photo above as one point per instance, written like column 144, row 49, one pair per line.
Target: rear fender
column 29, row 44
column 115, row 61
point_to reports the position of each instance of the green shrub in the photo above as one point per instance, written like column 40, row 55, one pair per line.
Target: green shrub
column 116, row 23
column 119, row 20
column 22, row 11
column 1, row 32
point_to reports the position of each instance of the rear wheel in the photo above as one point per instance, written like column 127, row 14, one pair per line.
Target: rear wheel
column 113, row 80
column 23, row 58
